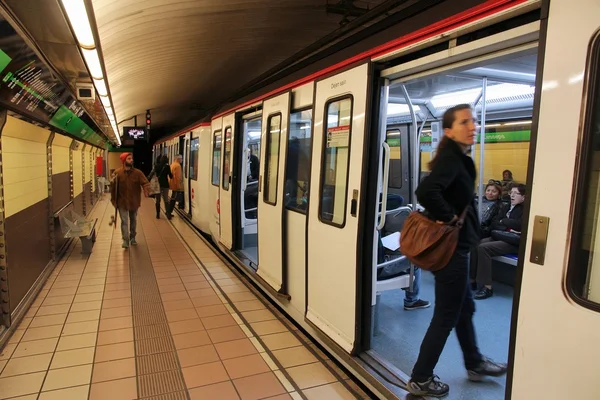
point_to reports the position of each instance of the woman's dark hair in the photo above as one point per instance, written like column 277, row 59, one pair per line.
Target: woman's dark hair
column 495, row 185
column 447, row 121
column 520, row 187
column 158, row 160
column 509, row 174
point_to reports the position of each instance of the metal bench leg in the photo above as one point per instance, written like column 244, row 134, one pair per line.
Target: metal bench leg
column 376, row 315
column 87, row 243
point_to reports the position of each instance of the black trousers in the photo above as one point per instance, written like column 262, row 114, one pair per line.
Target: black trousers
column 454, row 308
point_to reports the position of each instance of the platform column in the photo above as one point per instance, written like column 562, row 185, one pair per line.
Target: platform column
column 84, row 200
column 4, row 299
column 50, row 197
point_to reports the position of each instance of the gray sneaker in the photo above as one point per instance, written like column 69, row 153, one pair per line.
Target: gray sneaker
column 133, row 242
column 417, row 305
column 125, row 244
column 431, row 387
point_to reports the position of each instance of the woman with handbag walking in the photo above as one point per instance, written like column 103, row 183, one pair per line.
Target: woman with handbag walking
column 445, row 194
column 159, row 181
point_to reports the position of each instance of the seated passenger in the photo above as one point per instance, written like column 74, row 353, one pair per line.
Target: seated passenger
column 507, row 183
column 505, row 235
column 491, row 204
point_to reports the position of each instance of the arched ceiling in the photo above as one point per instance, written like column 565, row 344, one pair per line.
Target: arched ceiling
column 181, row 59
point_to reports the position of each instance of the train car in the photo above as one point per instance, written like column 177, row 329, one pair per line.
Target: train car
column 304, row 186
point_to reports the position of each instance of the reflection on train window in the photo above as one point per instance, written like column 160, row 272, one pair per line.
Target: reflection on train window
column 227, row 158
column 216, row 158
column 297, row 169
column 393, row 140
column 272, row 159
column 193, row 164
column 187, row 157
column 584, row 262
column 336, row 162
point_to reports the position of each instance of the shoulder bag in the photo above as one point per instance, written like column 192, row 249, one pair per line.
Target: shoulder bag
column 154, row 184
column 427, row 244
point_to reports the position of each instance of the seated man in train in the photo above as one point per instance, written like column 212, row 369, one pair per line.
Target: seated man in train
column 505, row 237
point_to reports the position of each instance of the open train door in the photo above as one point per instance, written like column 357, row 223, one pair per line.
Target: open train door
column 225, row 198
column 271, row 189
column 334, row 208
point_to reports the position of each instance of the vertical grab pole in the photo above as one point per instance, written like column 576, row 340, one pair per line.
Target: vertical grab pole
column 482, row 145
column 415, row 141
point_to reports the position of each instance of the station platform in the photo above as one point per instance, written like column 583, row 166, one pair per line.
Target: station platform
column 167, row 319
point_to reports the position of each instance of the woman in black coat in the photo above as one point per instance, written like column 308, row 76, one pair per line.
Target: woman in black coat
column 444, row 194
column 162, row 170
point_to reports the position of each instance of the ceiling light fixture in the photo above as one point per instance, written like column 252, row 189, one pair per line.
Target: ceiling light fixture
column 80, row 23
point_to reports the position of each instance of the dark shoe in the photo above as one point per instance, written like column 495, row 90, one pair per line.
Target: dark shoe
column 474, row 286
column 431, row 387
column 417, row 304
column 133, row 242
column 484, row 293
column 487, row 367
column 125, row 244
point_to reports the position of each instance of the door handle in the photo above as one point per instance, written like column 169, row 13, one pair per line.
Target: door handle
column 354, row 203
column 259, row 183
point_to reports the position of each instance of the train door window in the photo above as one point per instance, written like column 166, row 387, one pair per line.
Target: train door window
column 393, row 140
column 335, row 162
column 194, row 158
column 216, row 158
column 297, row 169
column 272, row 158
column 187, row 156
column 584, row 262
column 227, row 158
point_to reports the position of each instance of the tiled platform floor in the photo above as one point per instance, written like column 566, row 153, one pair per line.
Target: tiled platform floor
column 154, row 322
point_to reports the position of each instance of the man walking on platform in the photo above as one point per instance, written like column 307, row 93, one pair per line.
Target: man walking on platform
column 176, row 185
column 128, row 198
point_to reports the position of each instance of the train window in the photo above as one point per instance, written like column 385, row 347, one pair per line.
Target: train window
column 187, row 157
column 297, row 169
column 227, row 158
column 216, row 158
column 393, row 140
column 194, row 158
column 335, row 162
column 583, row 274
column 272, row 159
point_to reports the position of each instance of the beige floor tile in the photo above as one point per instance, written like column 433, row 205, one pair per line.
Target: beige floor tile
column 175, row 305
column 91, row 282
column 2, row 365
column 7, row 351
column 67, row 377
column 77, row 341
column 279, row 341
column 197, row 285
column 115, row 303
column 51, row 310
column 26, row 365
column 48, row 320
column 258, row 315
column 235, row 348
column 21, row 385
column 110, row 287
column 90, row 289
column 86, row 306
column 116, row 351
column 268, row 327
column 117, row 294
column 311, row 375
column 219, row 321
column 116, row 312
column 245, row 366
column 46, row 332
column 69, row 291
column 251, row 305
column 72, row 393
column 294, row 356
column 192, row 339
column 86, row 297
column 109, row 324
column 181, row 315
column 221, row 391
column 122, row 389
column 83, row 316
column 244, row 296
column 333, row 391
column 35, row 347
column 205, row 301
column 186, row 326
column 259, row 386
column 115, row 336
column 16, row 336
column 226, row 334
column 58, row 300
column 112, row 370
column 77, row 328
column 197, row 355
column 72, row 358
column 205, row 374
column 211, row 311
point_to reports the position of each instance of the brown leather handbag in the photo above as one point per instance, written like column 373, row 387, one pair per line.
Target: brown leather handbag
column 427, row 244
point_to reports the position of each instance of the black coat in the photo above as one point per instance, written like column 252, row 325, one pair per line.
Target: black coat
column 514, row 221
column 448, row 190
column 163, row 173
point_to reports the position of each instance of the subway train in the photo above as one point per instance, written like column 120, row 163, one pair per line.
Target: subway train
column 302, row 183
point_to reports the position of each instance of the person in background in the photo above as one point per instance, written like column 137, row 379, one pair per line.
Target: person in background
column 162, row 170
column 508, row 223
column 444, row 194
column 175, row 184
column 131, row 181
column 507, row 181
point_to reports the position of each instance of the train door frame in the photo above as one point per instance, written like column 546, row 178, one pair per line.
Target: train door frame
column 516, row 40
column 227, row 197
column 182, row 150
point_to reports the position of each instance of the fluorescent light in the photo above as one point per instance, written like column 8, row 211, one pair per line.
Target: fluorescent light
column 397, row 109
column 100, row 87
column 494, row 92
column 93, row 63
column 105, row 101
column 518, row 123
column 80, row 22
column 108, row 110
column 111, row 118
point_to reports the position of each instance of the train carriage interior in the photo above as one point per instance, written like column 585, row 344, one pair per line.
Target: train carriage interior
column 501, row 91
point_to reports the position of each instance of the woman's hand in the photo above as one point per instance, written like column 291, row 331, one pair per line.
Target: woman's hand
column 451, row 222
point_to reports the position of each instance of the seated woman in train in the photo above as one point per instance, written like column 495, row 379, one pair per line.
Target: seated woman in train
column 491, row 204
column 507, row 183
column 505, row 236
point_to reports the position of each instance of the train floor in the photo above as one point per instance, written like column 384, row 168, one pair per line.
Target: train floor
column 166, row 319
column 401, row 332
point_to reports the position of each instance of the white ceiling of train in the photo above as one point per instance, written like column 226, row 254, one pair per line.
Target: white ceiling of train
column 181, row 58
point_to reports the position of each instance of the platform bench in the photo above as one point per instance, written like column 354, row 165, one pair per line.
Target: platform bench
column 73, row 225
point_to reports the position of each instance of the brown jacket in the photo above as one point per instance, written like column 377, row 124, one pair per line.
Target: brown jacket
column 129, row 195
column 176, row 182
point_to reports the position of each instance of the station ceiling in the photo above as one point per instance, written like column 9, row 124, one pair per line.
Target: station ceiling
column 180, row 59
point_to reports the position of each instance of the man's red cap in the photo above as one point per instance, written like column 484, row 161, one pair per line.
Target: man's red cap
column 123, row 156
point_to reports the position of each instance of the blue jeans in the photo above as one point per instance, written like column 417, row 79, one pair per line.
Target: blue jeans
column 411, row 298
column 128, row 223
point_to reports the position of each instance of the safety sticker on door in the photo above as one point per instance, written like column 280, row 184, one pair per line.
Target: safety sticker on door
column 338, row 137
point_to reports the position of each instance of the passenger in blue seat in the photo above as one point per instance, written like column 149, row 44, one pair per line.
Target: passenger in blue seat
column 505, row 237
